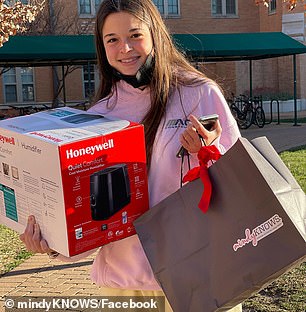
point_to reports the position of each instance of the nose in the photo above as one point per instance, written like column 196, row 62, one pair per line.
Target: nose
column 126, row 46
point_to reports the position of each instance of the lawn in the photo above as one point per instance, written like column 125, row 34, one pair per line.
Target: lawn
column 12, row 250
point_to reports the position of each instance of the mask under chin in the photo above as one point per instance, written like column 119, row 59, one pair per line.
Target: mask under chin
column 142, row 77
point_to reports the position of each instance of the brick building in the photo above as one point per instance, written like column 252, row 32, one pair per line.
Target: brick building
column 270, row 76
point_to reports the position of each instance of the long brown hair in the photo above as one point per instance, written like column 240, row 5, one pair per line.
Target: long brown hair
column 170, row 63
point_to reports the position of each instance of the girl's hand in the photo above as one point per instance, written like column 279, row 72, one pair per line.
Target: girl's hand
column 32, row 238
column 190, row 137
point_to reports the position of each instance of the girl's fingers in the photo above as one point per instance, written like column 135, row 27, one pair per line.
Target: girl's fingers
column 32, row 237
column 190, row 139
column 36, row 239
column 28, row 233
column 45, row 247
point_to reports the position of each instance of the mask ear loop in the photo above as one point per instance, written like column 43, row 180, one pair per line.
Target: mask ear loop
column 184, row 153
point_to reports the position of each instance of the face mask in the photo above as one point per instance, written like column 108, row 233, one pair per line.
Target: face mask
column 142, row 77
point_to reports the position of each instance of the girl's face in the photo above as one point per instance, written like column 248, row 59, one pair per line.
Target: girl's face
column 127, row 41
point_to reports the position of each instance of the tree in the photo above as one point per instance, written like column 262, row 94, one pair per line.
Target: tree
column 291, row 4
column 53, row 20
column 15, row 16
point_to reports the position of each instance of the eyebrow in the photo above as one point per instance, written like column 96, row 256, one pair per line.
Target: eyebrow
column 130, row 31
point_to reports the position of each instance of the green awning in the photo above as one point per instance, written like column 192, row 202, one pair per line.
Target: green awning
column 48, row 50
column 237, row 46
column 79, row 49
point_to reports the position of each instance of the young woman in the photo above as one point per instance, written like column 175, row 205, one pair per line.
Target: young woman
column 145, row 79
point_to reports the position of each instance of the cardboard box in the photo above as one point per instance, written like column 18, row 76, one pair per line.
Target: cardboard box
column 82, row 176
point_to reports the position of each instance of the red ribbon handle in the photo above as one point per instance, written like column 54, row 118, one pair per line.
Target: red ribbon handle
column 205, row 154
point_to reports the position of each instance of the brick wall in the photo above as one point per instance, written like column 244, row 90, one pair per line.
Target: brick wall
column 43, row 84
column 196, row 17
column 74, row 85
column 271, row 21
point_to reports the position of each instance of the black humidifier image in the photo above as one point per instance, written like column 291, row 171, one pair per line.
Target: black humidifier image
column 109, row 191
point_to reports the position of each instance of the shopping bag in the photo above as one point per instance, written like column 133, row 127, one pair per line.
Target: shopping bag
column 253, row 232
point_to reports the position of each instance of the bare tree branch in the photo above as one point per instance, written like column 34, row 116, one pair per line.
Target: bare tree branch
column 4, row 70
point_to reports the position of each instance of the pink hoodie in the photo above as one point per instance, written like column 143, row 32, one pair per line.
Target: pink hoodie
column 123, row 264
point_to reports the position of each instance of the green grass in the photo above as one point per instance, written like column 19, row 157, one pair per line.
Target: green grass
column 12, row 250
column 287, row 293
column 295, row 160
column 289, row 120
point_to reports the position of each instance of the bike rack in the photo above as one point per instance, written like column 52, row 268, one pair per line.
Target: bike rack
column 271, row 112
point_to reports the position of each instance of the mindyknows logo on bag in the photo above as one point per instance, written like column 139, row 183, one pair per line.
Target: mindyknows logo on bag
column 260, row 232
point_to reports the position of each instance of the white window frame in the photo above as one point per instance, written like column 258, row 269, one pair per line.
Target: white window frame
column 272, row 6
column 92, row 4
column 166, row 13
column 18, row 83
column 223, row 9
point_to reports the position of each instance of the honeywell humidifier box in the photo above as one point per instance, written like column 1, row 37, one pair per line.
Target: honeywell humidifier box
column 82, row 176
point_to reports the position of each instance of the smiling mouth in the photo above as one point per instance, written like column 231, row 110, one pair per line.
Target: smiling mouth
column 130, row 60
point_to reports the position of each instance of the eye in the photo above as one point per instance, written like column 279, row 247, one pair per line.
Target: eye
column 137, row 35
column 111, row 40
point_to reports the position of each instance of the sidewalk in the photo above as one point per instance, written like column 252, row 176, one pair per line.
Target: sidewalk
column 284, row 136
column 39, row 276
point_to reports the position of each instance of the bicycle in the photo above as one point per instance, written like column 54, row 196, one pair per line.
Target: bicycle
column 247, row 111
column 259, row 114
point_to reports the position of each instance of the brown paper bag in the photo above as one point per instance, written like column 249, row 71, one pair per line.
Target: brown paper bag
column 253, row 232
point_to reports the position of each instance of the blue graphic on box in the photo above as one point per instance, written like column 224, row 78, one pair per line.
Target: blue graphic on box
column 9, row 202
column 59, row 112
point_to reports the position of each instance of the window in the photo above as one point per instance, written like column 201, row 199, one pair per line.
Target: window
column 27, row 84
column 224, row 7
column 97, row 5
column 89, row 7
column 11, row 2
column 89, row 80
column 10, row 85
column 272, row 6
column 85, row 7
column 167, row 7
column 18, row 85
